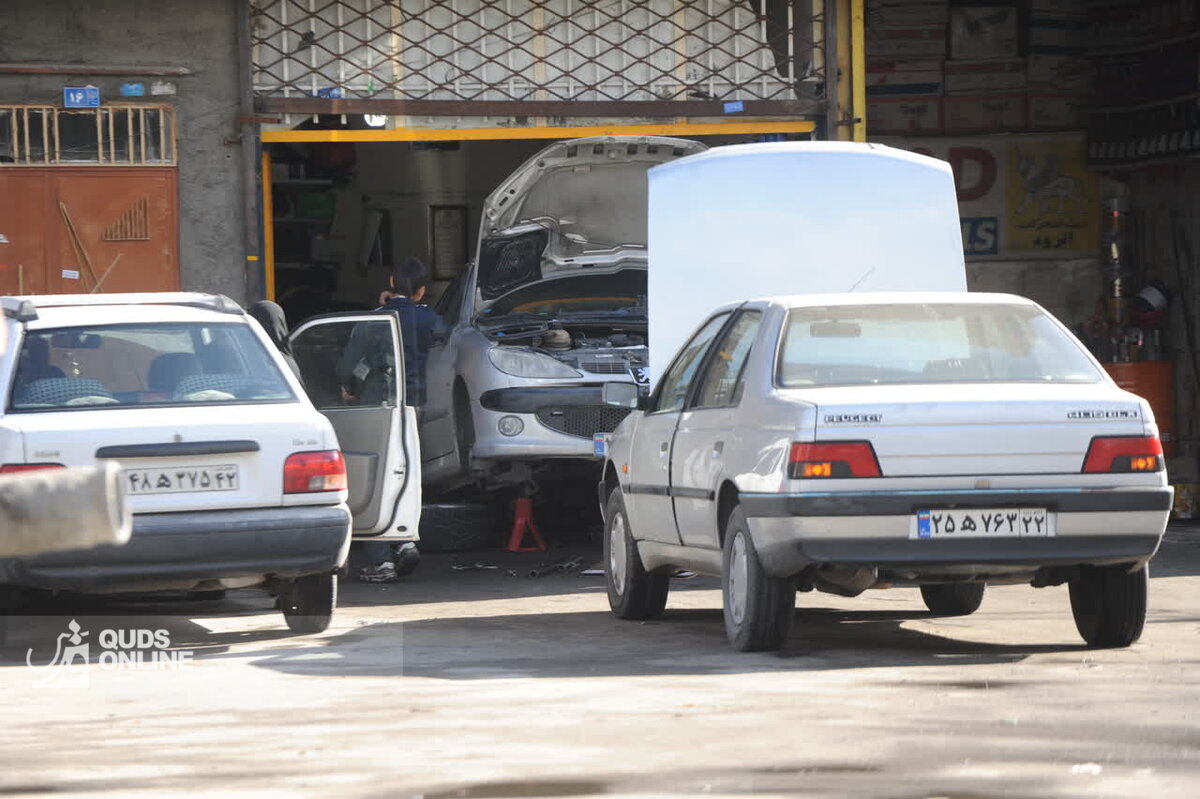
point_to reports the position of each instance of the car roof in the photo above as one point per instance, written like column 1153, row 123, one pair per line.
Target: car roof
column 77, row 310
column 881, row 298
column 899, row 298
column 66, row 312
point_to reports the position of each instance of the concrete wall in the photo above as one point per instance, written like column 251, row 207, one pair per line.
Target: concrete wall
column 201, row 36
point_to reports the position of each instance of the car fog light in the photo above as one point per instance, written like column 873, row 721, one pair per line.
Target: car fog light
column 510, row 426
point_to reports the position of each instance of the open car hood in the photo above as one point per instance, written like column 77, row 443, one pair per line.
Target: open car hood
column 577, row 204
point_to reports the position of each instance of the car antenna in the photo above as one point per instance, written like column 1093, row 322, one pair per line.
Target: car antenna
column 861, row 279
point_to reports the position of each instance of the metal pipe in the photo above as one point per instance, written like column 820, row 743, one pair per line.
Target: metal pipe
column 92, row 69
column 251, row 215
column 858, row 69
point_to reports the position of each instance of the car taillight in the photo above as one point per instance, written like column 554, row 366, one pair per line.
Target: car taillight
column 840, row 459
column 308, row 472
column 1124, row 454
column 13, row 468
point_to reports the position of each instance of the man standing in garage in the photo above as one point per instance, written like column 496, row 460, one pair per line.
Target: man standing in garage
column 420, row 329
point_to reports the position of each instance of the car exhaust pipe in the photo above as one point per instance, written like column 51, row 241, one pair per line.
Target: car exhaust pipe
column 844, row 581
column 57, row 510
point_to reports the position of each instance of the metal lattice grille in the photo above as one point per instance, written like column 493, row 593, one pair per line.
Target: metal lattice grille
column 537, row 50
column 583, row 421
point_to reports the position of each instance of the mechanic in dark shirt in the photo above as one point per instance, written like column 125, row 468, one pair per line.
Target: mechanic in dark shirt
column 366, row 371
column 362, row 364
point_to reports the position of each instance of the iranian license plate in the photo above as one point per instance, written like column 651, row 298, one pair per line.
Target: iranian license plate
column 181, row 479
column 983, row 523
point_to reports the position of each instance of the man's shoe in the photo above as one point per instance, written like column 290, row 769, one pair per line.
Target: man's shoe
column 383, row 573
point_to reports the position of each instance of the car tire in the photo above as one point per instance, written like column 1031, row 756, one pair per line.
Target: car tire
column 1109, row 604
column 953, row 599
column 308, row 603
column 758, row 607
column 407, row 559
column 633, row 592
column 457, row 526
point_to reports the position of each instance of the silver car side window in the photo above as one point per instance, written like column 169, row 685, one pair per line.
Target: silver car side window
column 674, row 389
column 721, row 383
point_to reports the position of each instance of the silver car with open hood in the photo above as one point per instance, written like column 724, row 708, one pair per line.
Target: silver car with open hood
column 553, row 307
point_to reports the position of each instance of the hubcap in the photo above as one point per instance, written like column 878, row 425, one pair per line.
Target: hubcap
column 616, row 553
column 736, row 578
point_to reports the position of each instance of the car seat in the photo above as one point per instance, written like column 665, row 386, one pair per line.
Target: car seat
column 61, row 390
column 167, row 370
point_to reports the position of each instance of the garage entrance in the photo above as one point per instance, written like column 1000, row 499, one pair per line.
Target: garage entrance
column 342, row 206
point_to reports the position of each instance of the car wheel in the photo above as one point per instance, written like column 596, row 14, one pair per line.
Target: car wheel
column 1109, row 604
column 633, row 592
column 457, row 526
column 953, row 599
column 308, row 603
column 758, row 607
column 407, row 559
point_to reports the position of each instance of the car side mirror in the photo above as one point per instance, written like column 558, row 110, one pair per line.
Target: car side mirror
column 622, row 395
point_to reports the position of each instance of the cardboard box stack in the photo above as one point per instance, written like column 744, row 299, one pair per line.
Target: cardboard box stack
column 906, row 51
column 940, row 68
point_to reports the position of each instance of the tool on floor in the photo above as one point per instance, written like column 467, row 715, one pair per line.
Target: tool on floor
column 523, row 522
column 471, row 567
column 559, row 566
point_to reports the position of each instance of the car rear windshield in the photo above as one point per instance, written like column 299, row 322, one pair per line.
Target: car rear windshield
column 928, row 343
column 139, row 365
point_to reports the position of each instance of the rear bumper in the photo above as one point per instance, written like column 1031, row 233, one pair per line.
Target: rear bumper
column 180, row 550
column 875, row 530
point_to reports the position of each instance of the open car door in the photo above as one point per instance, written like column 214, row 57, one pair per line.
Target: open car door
column 352, row 366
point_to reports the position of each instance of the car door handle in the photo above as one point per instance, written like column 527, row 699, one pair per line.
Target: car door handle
column 718, row 449
column 663, row 447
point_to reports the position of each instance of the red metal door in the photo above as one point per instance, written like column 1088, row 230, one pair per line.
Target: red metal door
column 75, row 230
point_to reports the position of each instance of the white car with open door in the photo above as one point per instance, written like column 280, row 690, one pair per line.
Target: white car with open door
column 844, row 442
column 233, row 478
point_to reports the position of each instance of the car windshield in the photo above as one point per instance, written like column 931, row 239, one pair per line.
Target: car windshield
column 138, row 365
column 928, row 343
column 621, row 292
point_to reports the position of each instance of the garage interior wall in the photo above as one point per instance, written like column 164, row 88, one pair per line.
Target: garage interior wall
column 198, row 39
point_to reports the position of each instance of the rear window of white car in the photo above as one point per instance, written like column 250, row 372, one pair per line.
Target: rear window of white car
column 138, row 365
column 928, row 343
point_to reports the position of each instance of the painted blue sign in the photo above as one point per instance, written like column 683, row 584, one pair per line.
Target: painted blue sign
column 81, row 97
column 736, row 107
column 133, row 90
column 981, row 235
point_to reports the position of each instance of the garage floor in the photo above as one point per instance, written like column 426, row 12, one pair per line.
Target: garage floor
column 484, row 684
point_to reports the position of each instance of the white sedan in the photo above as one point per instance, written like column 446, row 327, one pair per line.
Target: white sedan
column 233, row 477
column 844, row 442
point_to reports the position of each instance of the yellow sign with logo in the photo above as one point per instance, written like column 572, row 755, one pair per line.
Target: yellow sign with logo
column 1052, row 197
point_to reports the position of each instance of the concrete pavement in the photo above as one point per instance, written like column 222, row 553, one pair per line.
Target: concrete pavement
column 482, row 684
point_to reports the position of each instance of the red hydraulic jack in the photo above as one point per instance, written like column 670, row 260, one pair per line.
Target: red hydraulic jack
column 522, row 521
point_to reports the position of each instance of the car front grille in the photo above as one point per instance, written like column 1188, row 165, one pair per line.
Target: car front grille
column 605, row 367
column 583, row 421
